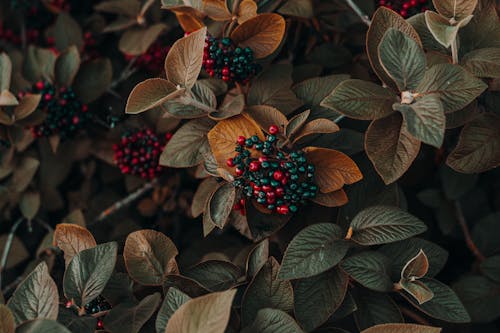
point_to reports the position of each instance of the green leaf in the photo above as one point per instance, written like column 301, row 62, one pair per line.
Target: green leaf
column 299, row 8
column 445, row 305
column 375, row 308
column 67, row 65
column 456, row 87
column 369, row 268
column 75, row 323
column 273, row 321
column 124, row 7
column 318, row 297
column 39, row 64
column 425, row 119
column 257, row 258
column 88, row 272
column 221, row 204
column 42, row 326
column 173, row 300
column 187, row 145
column 457, row 9
column 149, row 94
column 149, row 256
column 186, row 285
column 126, row 317
column 312, row 251
column 384, row 224
column 30, row 204
column 383, row 20
column 442, row 30
column 93, row 79
column 136, row 41
column 215, row 275
column 418, row 290
column 483, row 62
column 36, row 297
column 402, row 58
column 478, row 148
column 5, row 71
column 480, row 296
column 455, row 184
column 67, row 32
column 484, row 234
column 7, row 323
column 401, row 252
column 266, row 291
column 232, row 105
column 491, row 268
column 296, row 123
column 360, row 100
column 402, row 328
column 183, row 62
column 205, row 314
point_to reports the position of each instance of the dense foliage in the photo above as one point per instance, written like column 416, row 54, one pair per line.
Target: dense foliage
column 251, row 166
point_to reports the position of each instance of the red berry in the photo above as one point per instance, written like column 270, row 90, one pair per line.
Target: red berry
column 241, row 140
column 278, row 175
column 47, row 97
column 263, row 159
column 39, row 85
column 254, row 166
column 100, row 324
column 68, row 304
column 225, row 71
column 267, row 188
column 280, row 191
column 239, row 172
column 273, row 129
column 237, row 206
column 230, row 162
column 283, row 209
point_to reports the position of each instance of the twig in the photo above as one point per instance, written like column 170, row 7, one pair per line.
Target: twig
column 126, row 201
column 454, row 51
column 366, row 20
column 127, row 71
column 465, row 229
column 8, row 245
column 415, row 316
column 338, row 119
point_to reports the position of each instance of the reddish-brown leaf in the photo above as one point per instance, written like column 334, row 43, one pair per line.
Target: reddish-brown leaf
column 332, row 199
column 72, row 239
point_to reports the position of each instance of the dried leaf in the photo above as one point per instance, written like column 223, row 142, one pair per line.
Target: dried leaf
column 246, row 11
column 150, row 94
column 71, row 239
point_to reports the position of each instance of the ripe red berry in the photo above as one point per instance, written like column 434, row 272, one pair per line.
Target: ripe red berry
column 283, row 209
column 278, row 175
column 100, row 324
column 230, row 162
column 273, row 129
column 239, row 172
column 241, row 140
column 39, row 85
column 254, row 166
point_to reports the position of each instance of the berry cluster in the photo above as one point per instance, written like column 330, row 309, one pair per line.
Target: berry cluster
column 153, row 60
column 97, row 305
column 223, row 60
column 276, row 180
column 66, row 115
column 406, row 8
column 138, row 153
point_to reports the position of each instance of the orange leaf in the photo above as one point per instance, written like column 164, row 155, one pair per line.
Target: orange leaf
column 246, row 11
column 72, row 239
column 222, row 138
column 333, row 168
column 332, row 199
column 216, row 10
column 262, row 33
column 188, row 22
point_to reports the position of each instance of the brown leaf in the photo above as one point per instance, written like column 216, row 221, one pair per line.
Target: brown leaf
column 149, row 256
column 26, row 106
column 147, row 207
column 383, row 20
column 222, row 138
column 246, row 11
column 333, row 168
column 29, row 205
column 188, row 22
column 332, row 199
column 7, row 324
column 232, row 105
column 402, row 328
column 149, row 94
column 201, row 196
column 72, row 239
column 216, row 9
column 136, row 41
column 266, row 116
column 457, row 9
column 263, row 34
column 416, row 267
column 317, row 126
column 8, row 99
column 183, row 62
column 390, row 147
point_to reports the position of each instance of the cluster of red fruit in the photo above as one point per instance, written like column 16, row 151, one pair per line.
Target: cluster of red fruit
column 278, row 181
column 153, row 60
column 138, row 153
column 406, row 8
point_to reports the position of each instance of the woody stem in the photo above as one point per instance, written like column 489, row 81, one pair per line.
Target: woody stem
column 364, row 18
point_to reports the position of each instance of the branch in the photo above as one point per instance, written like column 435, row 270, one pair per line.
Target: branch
column 338, row 119
column 465, row 229
column 414, row 316
column 8, row 245
column 366, row 20
column 126, row 201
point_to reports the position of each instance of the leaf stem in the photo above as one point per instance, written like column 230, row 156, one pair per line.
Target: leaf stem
column 126, row 73
column 454, row 51
column 126, row 201
column 465, row 229
column 234, row 19
column 8, row 245
column 366, row 20
column 338, row 119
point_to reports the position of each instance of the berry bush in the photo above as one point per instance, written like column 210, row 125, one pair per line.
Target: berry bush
column 249, row 166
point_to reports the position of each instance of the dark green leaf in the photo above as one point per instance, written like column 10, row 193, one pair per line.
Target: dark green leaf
column 273, row 321
column 75, row 323
column 456, row 184
column 384, row 224
column 5, row 71
column 402, row 58
column 483, row 62
column 257, row 257
column 375, row 308
column 42, row 326
column 173, row 301
column 88, row 272
column 360, row 100
column 480, row 296
column 318, row 297
column 67, row 65
column 484, row 234
column 369, row 268
column 312, row 251
column 266, row 291
column 296, row 123
column 221, row 203
column 93, row 79
column 36, row 297
column 442, row 30
column 39, row 64
column 130, row 318
column 215, row 275
column 491, row 268
column 67, row 32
